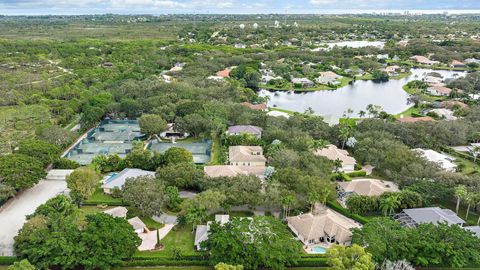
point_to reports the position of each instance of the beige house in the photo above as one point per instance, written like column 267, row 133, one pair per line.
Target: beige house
column 231, row 170
column 246, row 156
column 333, row 153
column 367, row 187
column 324, row 226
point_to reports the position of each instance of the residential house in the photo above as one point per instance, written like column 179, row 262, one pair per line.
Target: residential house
column 278, row 114
column 138, row 226
column 333, row 153
column 328, row 78
column 472, row 60
column 167, row 78
column 424, row 60
column 444, row 161
column 409, row 119
column 107, row 64
column 432, row 80
column 216, row 78
column 416, row 216
column 474, row 229
column 223, row 73
column 246, row 156
column 438, row 90
column 444, row 113
column 255, row 107
column 457, row 64
column 232, row 170
column 392, row 70
column 452, row 104
column 240, row 46
column 245, row 129
column 202, row 231
column 403, row 43
column 117, row 180
column 366, row 187
column 323, row 226
column 330, row 74
column 303, row 82
column 118, row 211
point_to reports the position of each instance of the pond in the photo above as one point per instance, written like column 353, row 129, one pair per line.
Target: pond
column 354, row 44
column 357, row 96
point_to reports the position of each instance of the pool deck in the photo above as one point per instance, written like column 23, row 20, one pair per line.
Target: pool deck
column 309, row 249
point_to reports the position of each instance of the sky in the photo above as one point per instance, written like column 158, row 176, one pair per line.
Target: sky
column 68, row 7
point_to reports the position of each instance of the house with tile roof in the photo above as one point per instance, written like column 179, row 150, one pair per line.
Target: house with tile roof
column 241, row 155
column 444, row 161
column 322, row 226
column 245, row 129
column 333, row 153
column 366, row 187
column 232, row 170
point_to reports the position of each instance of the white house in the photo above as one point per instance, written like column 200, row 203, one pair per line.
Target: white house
column 202, row 231
column 117, row 180
column 444, row 161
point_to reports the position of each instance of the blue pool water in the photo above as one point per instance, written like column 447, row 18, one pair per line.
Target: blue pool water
column 319, row 250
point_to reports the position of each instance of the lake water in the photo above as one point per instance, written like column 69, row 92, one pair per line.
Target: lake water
column 351, row 44
column 333, row 104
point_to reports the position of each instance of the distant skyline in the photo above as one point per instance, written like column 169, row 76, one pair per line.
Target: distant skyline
column 72, row 7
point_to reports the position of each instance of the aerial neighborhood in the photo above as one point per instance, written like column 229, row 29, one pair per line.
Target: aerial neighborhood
column 203, row 141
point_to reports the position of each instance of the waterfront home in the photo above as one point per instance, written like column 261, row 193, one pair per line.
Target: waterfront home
column 366, row 187
column 457, row 64
column 333, row 153
column 232, row 170
column 410, row 119
column 303, row 82
column 444, row 161
column 330, row 74
column 117, row 180
column 278, row 114
column 392, row 70
column 255, row 107
column 245, row 129
column 433, row 81
column 444, row 114
column 424, row 60
column 202, row 231
column 323, row 226
column 416, row 216
column 452, row 104
column 438, row 90
column 246, row 156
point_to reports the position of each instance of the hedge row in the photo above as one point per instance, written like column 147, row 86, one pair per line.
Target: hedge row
column 184, row 258
column 166, row 262
column 6, row 260
column 311, row 262
column 360, row 173
column 346, row 213
column 109, row 203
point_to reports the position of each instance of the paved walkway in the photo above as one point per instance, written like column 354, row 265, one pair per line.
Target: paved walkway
column 149, row 240
column 165, row 219
column 13, row 213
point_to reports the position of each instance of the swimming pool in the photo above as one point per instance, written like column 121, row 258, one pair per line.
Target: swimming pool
column 319, row 250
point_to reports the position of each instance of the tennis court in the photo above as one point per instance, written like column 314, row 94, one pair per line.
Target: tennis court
column 110, row 137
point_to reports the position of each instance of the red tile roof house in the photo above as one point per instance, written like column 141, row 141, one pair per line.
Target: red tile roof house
column 457, row 64
column 255, row 107
column 415, row 119
column 247, row 129
column 424, row 60
column 224, row 73
column 437, row 90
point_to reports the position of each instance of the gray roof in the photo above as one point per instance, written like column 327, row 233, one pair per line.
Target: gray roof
column 118, row 180
column 245, row 129
column 435, row 215
column 474, row 229
column 201, row 234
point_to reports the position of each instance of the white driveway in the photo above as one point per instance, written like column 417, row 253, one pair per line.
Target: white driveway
column 149, row 240
column 13, row 213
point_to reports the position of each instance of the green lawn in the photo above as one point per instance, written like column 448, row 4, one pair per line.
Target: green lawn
column 216, row 158
column 99, row 197
column 165, row 268
column 181, row 238
column 401, row 75
column 281, row 110
column 151, row 224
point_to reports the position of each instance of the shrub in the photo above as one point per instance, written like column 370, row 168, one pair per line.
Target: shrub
column 65, row 164
column 341, row 176
column 361, row 173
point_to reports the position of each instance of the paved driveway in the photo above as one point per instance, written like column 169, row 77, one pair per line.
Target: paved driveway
column 149, row 240
column 12, row 214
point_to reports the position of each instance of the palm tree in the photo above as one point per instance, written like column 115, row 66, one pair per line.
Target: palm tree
column 337, row 163
column 361, row 113
column 389, row 205
column 312, row 198
column 344, row 134
column 287, row 202
column 318, row 144
column 460, row 192
column 470, row 198
column 324, row 195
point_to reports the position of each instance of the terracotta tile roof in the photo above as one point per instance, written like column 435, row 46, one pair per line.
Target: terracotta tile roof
column 255, row 107
column 415, row 119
